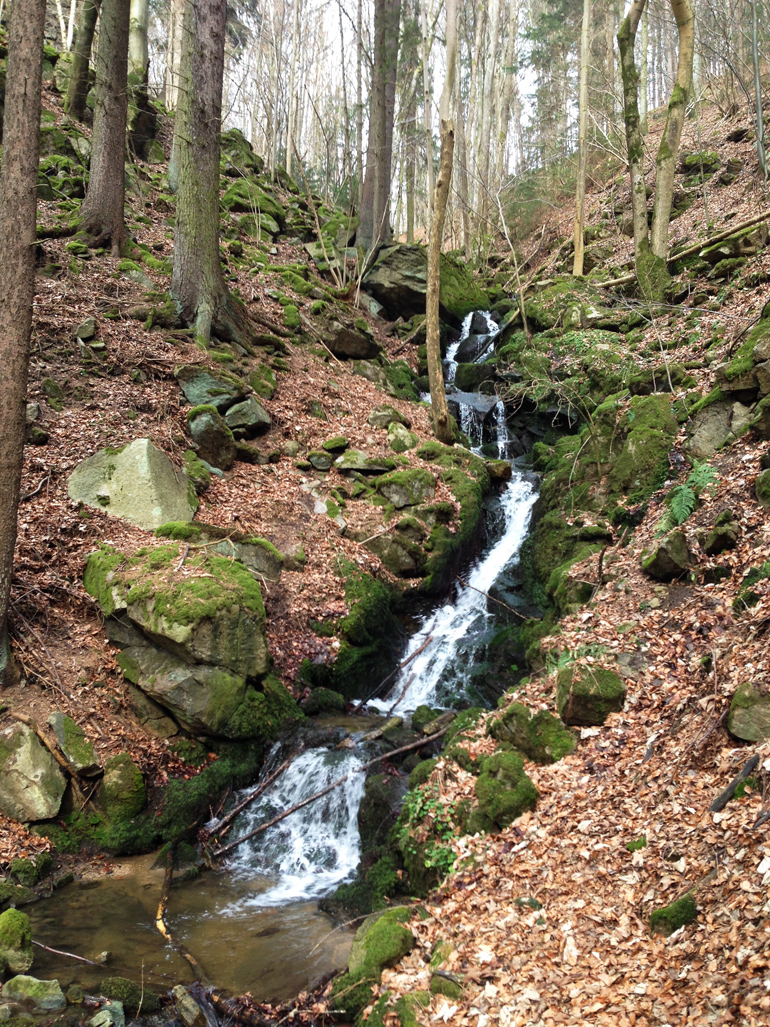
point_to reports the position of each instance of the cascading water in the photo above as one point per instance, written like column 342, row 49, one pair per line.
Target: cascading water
column 313, row 850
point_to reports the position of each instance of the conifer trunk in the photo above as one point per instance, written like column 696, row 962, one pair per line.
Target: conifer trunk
column 77, row 88
column 101, row 213
column 580, row 192
column 197, row 282
column 18, row 207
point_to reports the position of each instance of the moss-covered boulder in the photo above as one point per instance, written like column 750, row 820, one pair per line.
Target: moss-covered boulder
column 668, row 559
column 379, row 809
column 247, row 419
column 210, row 614
column 132, row 996
column 470, row 377
column 237, row 155
column 587, row 695
column 385, row 415
column 398, row 280
column 214, row 441
column 122, row 794
column 31, row 783
column 245, row 196
column 409, row 487
column 324, row 700
column 45, row 996
column 400, row 439
column 503, row 791
column 540, row 736
column 570, row 303
column 762, row 489
column 356, row 460
column 651, row 429
column 381, row 941
column 203, row 387
column 749, row 717
column 724, row 534
column 16, row 953
column 75, row 744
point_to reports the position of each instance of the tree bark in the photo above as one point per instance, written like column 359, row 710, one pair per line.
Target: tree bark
column 580, row 192
column 441, row 422
column 490, row 98
column 18, row 207
column 101, row 214
column 426, row 107
column 197, row 282
column 643, row 69
column 77, row 89
column 292, row 111
column 138, row 50
column 759, row 120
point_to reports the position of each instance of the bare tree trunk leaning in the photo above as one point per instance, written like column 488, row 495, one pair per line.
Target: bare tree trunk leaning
column 18, row 209
column 441, row 423
column 580, row 192
column 101, row 214
column 77, row 89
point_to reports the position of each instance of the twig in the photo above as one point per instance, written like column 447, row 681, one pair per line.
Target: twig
column 403, row 693
column 29, row 495
column 404, row 748
column 60, row 952
column 410, row 338
column 184, row 557
column 393, row 673
column 492, row 598
column 722, row 799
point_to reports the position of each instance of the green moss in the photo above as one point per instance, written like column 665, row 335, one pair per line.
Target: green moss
column 263, row 714
column 503, row 790
column 179, row 531
column 587, row 695
column 122, row 793
column 640, row 843
column 263, row 381
column 133, row 996
column 324, row 701
column 423, row 716
column 336, row 444
column 99, row 566
column 542, row 737
column 352, row 992
column 670, row 918
column 291, row 318
column 25, row 872
column 15, row 935
column 421, row 773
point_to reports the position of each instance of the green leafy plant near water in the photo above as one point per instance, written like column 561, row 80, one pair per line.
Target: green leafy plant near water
column 425, row 802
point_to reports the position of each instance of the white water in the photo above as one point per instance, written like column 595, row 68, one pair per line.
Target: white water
column 312, row 851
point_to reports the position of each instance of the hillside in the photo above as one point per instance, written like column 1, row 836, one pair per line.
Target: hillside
column 660, row 596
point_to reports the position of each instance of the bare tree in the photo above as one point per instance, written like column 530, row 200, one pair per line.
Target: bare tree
column 18, row 207
column 77, row 88
column 580, row 192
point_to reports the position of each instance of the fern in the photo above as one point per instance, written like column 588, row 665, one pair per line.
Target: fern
column 681, row 500
column 702, row 476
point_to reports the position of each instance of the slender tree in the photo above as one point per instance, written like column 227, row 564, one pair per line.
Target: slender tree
column 101, row 214
column 18, row 203
column 580, row 192
column 77, row 88
column 138, row 50
column 441, row 421
column 197, row 282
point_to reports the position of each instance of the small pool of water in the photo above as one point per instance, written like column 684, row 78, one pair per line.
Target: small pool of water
column 272, row 952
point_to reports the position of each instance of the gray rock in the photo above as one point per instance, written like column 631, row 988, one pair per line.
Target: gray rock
column 187, row 1009
column 408, row 487
column 395, row 556
column 213, row 439
column 122, row 793
column 151, row 715
column 33, row 412
column 111, row 1014
column 724, row 534
column 138, row 484
column 385, row 415
column 740, row 418
column 746, row 381
column 709, row 431
column 31, row 783
column 46, row 996
column 74, row 743
column 749, row 717
column 669, row 559
column 762, row 372
column 320, row 459
column 347, row 343
column 356, row 460
column 400, row 439
column 369, row 303
column 587, row 695
column 247, row 419
column 86, row 330
column 202, row 386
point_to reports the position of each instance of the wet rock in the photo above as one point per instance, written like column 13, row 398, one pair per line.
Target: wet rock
column 74, row 743
column 31, row 783
column 187, row 1009
column 122, row 794
column 16, row 953
column 471, row 349
column 379, row 809
column 669, row 559
column 749, row 717
column 247, row 419
column 587, row 695
column 46, row 996
column 212, row 437
column 324, row 700
column 137, row 483
column 110, row 1015
column 470, row 377
column 202, row 387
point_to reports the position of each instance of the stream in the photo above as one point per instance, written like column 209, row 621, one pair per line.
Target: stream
column 257, row 928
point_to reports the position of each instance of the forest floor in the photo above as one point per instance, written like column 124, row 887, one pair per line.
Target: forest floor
column 551, row 924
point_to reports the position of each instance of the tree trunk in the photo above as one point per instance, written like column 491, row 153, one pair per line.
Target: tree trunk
column 462, row 178
column 359, row 104
column 426, row 106
column 441, row 422
column 101, row 214
column 197, row 282
column 77, row 89
column 138, row 51
column 580, row 192
column 643, row 70
column 759, row 120
column 18, row 207
column 173, row 52
column 292, row 113
column 672, row 133
column 489, row 100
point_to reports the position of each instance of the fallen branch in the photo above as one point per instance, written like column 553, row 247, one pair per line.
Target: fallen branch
column 68, row 955
column 227, row 820
column 160, row 917
column 492, row 598
column 401, row 696
column 29, row 495
column 393, row 673
column 404, row 748
column 724, row 797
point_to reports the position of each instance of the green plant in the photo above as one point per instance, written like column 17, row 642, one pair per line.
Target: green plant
column 682, row 499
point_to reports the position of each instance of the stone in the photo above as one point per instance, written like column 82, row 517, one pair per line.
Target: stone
column 46, row 996
column 86, row 330
column 749, row 717
column 213, row 439
column 741, row 417
column 247, row 419
column 398, row 559
column 78, row 749
column 669, row 559
column 137, row 483
column 203, row 387
column 187, row 1009
column 724, row 534
column 762, row 489
column 150, row 714
column 32, row 413
column 16, row 953
column 745, row 381
column 349, row 344
column 122, row 794
column 539, row 736
column 31, row 783
column 709, row 430
column 356, row 460
column 472, row 348
column 381, row 941
column 400, row 439
column 385, row 415
column 407, row 487
column 585, row 695
column 110, row 1015
column 320, row 459
column 470, row 377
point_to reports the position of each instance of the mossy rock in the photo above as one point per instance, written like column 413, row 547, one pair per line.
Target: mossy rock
column 409, row 487
column 423, row 716
column 762, row 489
column 323, row 701
column 503, row 791
column 749, row 717
column 379, row 809
column 75, row 744
column 540, row 736
column 668, row 559
column 132, row 996
column 381, row 941
column 670, row 918
column 587, row 695
column 122, row 794
column 421, row 773
column 196, row 471
column 16, row 953
column 246, row 197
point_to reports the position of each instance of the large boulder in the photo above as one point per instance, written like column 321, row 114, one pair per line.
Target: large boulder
column 708, row 430
column 213, row 439
column 399, row 278
column 247, row 419
column 78, row 749
column 749, row 717
column 16, row 953
column 201, row 386
column 213, row 614
column 350, row 343
column 31, row 783
column 587, row 695
column 45, row 996
column 408, row 487
column 137, row 483
column 669, row 559
column 122, row 793
column 540, row 736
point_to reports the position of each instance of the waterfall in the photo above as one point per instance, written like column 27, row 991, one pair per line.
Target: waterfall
column 309, row 853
